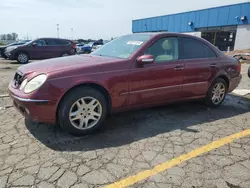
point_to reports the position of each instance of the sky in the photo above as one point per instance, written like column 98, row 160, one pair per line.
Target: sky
column 93, row 19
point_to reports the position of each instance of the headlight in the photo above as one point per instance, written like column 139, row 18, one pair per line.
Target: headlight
column 23, row 84
column 9, row 49
column 35, row 83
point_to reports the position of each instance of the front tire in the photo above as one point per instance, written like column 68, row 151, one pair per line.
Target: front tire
column 22, row 58
column 216, row 93
column 82, row 111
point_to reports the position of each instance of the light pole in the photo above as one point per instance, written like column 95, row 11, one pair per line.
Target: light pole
column 57, row 30
column 72, row 33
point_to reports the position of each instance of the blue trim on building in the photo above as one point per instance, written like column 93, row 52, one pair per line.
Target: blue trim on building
column 211, row 17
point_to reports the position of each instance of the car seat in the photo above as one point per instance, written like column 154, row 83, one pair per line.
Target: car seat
column 168, row 49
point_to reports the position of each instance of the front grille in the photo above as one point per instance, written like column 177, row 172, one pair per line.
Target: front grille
column 18, row 78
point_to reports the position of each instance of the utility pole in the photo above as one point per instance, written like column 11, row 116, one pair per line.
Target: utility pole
column 72, row 33
column 57, row 25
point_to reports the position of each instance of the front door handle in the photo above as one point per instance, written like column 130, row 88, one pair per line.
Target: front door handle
column 178, row 68
column 213, row 65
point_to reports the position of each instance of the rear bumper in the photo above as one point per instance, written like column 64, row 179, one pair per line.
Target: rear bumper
column 234, row 82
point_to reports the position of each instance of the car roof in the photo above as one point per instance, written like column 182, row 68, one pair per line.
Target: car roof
column 45, row 38
column 166, row 34
column 163, row 33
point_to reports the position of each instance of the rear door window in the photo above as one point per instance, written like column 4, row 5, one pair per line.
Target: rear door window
column 64, row 42
column 191, row 49
column 209, row 52
column 53, row 42
column 41, row 42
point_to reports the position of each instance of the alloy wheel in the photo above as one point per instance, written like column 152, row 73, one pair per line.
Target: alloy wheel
column 218, row 93
column 22, row 58
column 85, row 113
column 64, row 55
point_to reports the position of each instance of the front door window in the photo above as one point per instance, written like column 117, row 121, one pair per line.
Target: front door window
column 165, row 49
column 41, row 42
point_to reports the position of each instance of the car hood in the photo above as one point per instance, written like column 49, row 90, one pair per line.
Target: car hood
column 8, row 48
column 62, row 63
column 1, row 47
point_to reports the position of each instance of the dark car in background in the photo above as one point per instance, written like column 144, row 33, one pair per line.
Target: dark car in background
column 43, row 48
column 2, row 48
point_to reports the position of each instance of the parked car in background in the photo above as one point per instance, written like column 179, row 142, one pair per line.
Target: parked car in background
column 95, row 47
column 42, row 48
column 133, row 71
column 88, row 48
column 2, row 48
column 83, row 49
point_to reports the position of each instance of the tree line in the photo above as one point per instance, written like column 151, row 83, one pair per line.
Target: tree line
column 9, row 36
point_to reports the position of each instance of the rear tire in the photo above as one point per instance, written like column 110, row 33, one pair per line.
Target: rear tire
column 64, row 54
column 82, row 111
column 216, row 93
column 22, row 58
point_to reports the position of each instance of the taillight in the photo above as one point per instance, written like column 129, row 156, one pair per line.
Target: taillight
column 74, row 45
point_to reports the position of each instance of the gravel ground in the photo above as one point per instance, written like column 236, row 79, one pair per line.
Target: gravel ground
column 7, row 71
column 41, row 155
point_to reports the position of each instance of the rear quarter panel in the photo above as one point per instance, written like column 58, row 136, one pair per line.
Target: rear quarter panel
column 229, row 67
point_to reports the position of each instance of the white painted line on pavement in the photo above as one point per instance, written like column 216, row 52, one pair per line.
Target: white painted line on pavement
column 241, row 92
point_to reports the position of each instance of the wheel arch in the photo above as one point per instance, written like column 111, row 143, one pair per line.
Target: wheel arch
column 224, row 77
column 22, row 51
column 64, row 52
column 96, row 86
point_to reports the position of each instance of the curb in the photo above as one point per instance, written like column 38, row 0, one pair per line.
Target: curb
column 4, row 96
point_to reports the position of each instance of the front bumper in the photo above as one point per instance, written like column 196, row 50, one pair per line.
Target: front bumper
column 9, row 55
column 2, row 53
column 39, row 110
column 234, row 82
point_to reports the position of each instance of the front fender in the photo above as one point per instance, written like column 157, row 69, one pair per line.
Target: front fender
column 114, row 82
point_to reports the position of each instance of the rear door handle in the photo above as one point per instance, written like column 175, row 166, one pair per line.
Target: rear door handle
column 178, row 68
column 213, row 65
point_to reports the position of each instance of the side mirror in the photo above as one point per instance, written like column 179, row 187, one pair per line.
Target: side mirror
column 145, row 59
column 34, row 44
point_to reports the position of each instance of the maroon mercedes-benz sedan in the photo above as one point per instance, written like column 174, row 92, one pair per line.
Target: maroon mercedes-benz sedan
column 133, row 71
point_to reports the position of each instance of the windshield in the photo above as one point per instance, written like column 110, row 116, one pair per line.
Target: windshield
column 122, row 47
column 30, row 42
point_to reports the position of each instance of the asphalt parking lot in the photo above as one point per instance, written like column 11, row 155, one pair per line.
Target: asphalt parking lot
column 141, row 148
